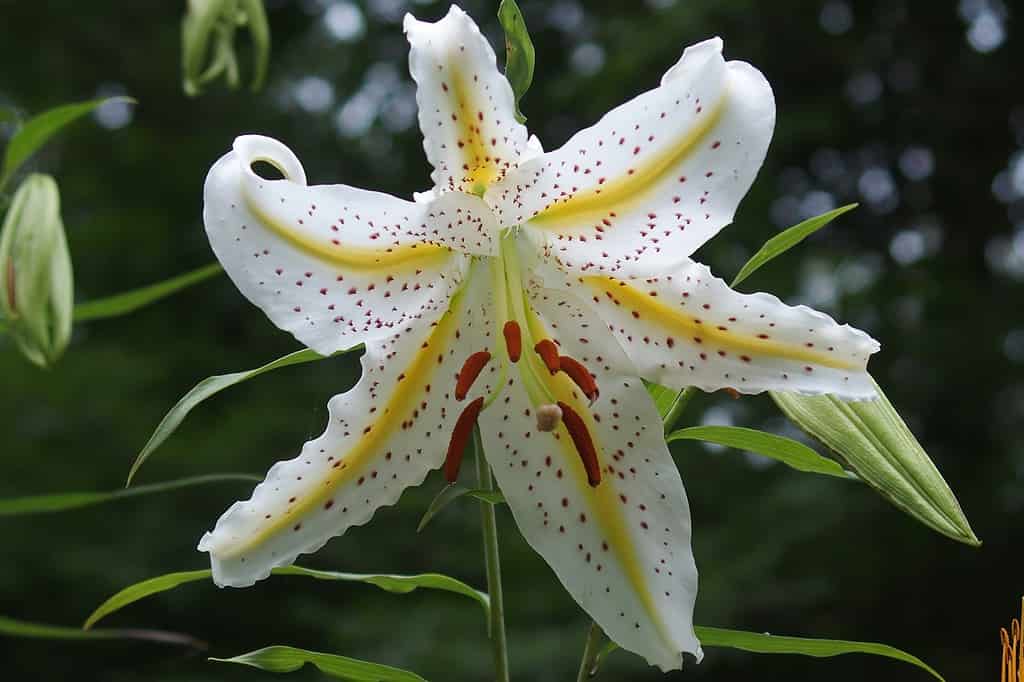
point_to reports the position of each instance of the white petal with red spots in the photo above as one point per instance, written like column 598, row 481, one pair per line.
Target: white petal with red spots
column 654, row 178
column 382, row 436
column 331, row 264
column 622, row 548
column 685, row 327
column 466, row 106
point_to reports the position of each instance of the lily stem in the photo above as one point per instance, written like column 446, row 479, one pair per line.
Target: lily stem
column 492, row 563
column 592, row 649
column 678, row 406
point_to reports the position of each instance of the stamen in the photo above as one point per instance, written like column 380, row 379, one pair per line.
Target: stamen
column 513, row 340
column 460, row 436
column 548, row 417
column 469, row 372
column 11, row 299
column 548, row 352
column 584, row 444
column 733, row 393
column 581, row 375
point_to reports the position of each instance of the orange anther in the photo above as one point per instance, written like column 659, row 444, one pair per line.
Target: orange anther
column 513, row 340
column 581, row 375
column 460, row 436
column 548, row 352
column 583, row 442
column 469, row 372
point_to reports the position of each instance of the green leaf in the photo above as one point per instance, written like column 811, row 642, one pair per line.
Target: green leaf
column 41, row 504
column 452, row 492
column 763, row 643
column 785, row 450
column 663, row 397
column 787, row 239
column 208, row 388
column 519, row 54
column 37, row 130
column 286, row 659
column 399, row 584
column 20, row 628
column 130, row 301
column 759, row 643
column 877, row 444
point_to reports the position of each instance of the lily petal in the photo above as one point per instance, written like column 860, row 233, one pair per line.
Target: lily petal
column 466, row 106
column 332, row 264
column 686, row 327
column 654, row 178
column 383, row 435
column 622, row 547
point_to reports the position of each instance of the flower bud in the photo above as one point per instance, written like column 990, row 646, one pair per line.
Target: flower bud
column 36, row 286
column 208, row 34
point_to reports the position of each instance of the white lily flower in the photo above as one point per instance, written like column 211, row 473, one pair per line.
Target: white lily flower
column 580, row 253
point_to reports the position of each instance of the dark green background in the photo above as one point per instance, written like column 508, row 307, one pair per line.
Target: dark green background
column 778, row 551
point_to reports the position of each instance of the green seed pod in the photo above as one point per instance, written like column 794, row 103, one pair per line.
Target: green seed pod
column 36, row 287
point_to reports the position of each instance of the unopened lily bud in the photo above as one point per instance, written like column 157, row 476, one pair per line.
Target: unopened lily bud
column 36, row 287
column 548, row 417
column 208, row 37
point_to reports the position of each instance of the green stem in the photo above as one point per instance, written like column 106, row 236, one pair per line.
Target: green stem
column 592, row 649
column 676, row 411
column 588, row 665
column 492, row 562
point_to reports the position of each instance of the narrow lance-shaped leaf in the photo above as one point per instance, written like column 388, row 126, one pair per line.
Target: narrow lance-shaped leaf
column 877, row 444
column 452, row 492
column 206, row 389
column 787, row 239
column 519, row 53
column 399, row 584
column 785, row 450
column 130, row 301
column 286, row 659
column 9, row 627
column 39, row 504
column 34, row 133
column 764, row 643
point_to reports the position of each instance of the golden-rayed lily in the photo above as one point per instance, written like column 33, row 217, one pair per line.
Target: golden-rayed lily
column 529, row 293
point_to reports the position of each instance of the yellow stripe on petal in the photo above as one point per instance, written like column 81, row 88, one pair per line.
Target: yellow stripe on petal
column 602, row 499
column 623, row 192
column 478, row 163
column 719, row 337
column 353, row 463
column 351, row 257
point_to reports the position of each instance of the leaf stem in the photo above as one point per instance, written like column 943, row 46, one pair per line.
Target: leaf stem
column 591, row 650
column 492, row 563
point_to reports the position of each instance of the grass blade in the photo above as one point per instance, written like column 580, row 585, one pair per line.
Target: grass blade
column 787, row 239
column 789, row 452
column 130, row 301
column 286, row 659
column 398, row 584
column 42, row 504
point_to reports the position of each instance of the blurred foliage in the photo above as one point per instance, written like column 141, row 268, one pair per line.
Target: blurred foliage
column 906, row 106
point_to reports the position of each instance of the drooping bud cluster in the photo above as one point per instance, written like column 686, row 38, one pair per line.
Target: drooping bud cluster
column 208, row 36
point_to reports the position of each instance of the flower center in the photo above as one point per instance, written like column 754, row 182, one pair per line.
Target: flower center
column 539, row 371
